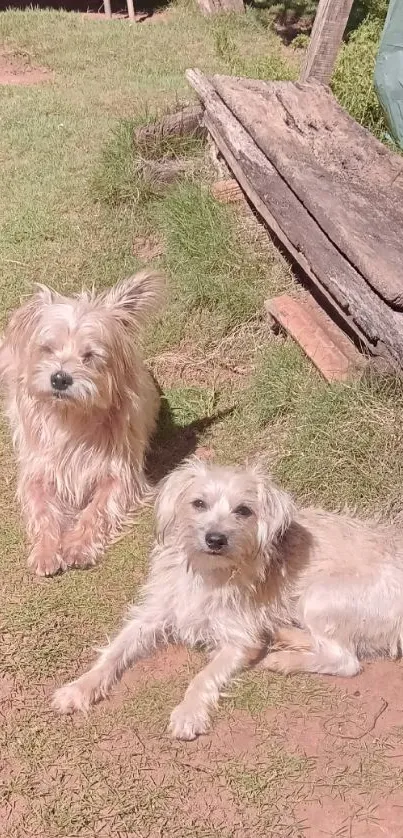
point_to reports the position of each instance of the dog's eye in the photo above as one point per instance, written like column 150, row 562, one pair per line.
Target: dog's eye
column 243, row 511
column 47, row 350
column 88, row 356
column 199, row 504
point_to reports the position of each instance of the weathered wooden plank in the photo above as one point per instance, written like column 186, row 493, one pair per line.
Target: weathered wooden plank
column 362, row 311
column 361, row 215
column 332, row 135
column 352, row 313
column 297, row 255
column 327, row 34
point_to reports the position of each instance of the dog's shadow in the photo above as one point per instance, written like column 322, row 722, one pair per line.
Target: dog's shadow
column 172, row 443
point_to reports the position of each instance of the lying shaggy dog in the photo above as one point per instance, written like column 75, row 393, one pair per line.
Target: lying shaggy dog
column 82, row 408
column 237, row 568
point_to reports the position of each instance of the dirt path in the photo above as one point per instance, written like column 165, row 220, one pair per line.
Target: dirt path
column 286, row 757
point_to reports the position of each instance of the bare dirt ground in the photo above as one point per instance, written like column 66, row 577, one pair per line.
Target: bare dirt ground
column 17, row 69
column 327, row 764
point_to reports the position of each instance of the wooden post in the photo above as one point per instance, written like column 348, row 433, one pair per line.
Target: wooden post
column 107, row 8
column 327, row 33
column 130, row 9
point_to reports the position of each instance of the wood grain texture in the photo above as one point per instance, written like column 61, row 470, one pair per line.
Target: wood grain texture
column 326, row 37
column 343, row 182
column 365, row 313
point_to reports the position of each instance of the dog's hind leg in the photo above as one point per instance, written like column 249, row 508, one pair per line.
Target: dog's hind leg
column 136, row 640
column 192, row 716
column 302, row 652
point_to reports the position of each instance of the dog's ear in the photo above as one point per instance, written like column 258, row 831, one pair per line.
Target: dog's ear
column 276, row 510
column 169, row 495
column 45, row 296
column 133, row 300
column 21, row 325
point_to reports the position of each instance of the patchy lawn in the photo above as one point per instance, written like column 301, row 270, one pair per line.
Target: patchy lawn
column 287, row 757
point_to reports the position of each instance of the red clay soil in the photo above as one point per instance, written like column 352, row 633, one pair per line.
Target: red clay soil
column 301, row 764
column 16, row 70
column 353, row 749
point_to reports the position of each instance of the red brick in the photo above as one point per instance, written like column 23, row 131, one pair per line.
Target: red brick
column 329, row 349
column 227, row 191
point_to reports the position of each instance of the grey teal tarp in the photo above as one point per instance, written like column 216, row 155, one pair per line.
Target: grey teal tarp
column 389, row 70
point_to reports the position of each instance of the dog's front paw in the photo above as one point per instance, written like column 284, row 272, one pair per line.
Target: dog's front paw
column 187, row 723
column 45, row 562
column 71, row 698
column 77, row 551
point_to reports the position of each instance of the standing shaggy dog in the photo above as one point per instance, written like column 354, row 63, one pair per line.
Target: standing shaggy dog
column 82, row 407
column 236, row 567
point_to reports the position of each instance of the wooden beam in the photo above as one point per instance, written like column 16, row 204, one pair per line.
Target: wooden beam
column 327, row 33
column 339, row 176
column 346, row 291
column 107, row 8
column 187, row 121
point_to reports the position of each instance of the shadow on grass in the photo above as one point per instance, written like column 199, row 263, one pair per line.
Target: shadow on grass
column 174, row 442
column 290, row 18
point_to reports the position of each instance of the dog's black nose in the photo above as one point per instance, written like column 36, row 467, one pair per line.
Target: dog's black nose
column 216, row 540
column 61, row 380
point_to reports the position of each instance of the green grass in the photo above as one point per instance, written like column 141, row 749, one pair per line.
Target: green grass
column 205, row 256
column 55, row 137
column 352, row 81
column 241, row 62
column 124, row 173
column 188, row 404
column 342, row 444
column 258, row 691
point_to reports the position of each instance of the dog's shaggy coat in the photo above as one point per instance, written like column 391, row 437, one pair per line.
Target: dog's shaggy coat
column 237, row 568
column 82, row 407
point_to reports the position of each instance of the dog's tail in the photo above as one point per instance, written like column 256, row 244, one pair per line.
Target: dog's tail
column 137, row 297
